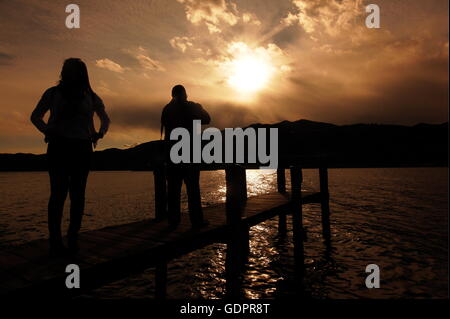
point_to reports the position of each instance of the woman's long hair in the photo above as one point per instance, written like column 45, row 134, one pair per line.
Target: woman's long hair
column 74, row 84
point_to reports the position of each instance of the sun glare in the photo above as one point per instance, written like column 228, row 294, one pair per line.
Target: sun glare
column 249, row 74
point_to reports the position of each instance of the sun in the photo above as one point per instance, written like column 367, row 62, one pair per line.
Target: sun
column 249, row 74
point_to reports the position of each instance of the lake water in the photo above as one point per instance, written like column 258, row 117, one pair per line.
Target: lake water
column 396, row 218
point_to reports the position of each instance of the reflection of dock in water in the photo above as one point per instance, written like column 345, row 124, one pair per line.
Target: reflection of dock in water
column 116, row 252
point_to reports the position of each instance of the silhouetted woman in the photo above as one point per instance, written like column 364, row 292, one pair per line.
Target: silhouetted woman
column 70, row 134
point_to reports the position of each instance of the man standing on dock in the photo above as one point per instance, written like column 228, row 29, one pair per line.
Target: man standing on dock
column 181, row 113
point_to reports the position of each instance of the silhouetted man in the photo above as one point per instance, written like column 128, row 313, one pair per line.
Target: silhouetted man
column 181, row 113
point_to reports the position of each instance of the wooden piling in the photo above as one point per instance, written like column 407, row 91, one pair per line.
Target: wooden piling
column 236, row 197
column 236, row 183
column 233, row 276
column 324, row 203
column 297, row 221
column 159, row 177
column 281, row 185
column 238, row 246
column 281, row 180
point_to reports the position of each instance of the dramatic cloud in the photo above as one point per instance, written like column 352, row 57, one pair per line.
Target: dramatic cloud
column 217, row 14
column 344, row 68
column 109, row 65
column 318, row 60
column 251, row 18
column 328, row 16
column 210, row 12
column 150, row 64
column 145, row 61
column 181, row 43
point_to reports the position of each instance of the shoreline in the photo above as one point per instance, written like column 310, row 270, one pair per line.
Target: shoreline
column 329, row 167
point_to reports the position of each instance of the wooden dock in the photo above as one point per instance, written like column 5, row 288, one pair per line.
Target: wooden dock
column 116, row 252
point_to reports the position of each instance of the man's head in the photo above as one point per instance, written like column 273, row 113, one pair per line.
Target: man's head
column 179, row 93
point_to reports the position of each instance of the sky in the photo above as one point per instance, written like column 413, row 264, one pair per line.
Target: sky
column 245, row 61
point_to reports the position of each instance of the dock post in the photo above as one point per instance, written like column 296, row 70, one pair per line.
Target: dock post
column 161, row 280
column 281, row 185
column 159, row 176
column 236, row 182
column 325, row 206
column 236, row 196
column 297, row 222
column 233, row 277
column 238, row 246
column 281, row 180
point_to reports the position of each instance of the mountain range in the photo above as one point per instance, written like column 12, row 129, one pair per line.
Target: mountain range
column 357, row 145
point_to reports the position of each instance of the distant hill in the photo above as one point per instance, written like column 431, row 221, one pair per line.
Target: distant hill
column 358, row 145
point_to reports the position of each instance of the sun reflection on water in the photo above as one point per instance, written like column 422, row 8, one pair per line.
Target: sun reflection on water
column 260, row 279
column 260, row 181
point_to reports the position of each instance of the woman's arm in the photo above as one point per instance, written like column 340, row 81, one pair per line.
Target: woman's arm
column 37, row 116
column 102, row 115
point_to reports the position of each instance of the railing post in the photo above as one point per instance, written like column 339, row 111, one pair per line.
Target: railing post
column 324, row 202
column 236, row 182
column 297, row 221
column 159, row 176
column 281, row 180
column 238, row 240
column 281, row 185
